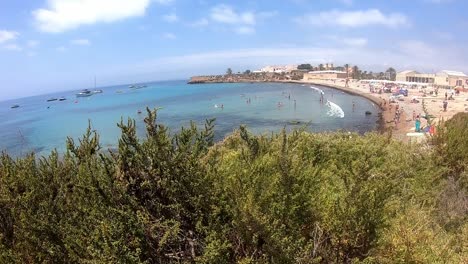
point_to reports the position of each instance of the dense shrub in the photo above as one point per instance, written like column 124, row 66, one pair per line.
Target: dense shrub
column 286, row 198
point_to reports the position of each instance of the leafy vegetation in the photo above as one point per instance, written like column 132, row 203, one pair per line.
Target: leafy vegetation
column 286, row 198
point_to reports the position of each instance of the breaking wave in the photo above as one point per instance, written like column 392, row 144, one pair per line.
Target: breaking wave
column 318, row 90
column 335, row 110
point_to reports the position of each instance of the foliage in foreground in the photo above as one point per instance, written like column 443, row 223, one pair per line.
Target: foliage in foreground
column 287, row 198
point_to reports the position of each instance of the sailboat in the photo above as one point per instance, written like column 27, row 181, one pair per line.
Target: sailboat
column 96, row 91
column 87, row 93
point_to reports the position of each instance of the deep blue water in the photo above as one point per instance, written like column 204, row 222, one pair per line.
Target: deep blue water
column 42, row 126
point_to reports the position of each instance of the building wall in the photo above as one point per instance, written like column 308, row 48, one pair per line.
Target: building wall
column 452, row 81
column 416, row 77
column 315, row 76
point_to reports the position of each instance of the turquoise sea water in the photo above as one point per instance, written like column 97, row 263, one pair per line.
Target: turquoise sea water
column 42, row 126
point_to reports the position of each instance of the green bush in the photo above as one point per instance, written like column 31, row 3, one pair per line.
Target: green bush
column 286, row 198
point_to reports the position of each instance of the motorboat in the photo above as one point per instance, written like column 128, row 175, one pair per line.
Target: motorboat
column 62, row 99
column 97, row 91
column 52, row 99
column 15, row 106
column 84, row 93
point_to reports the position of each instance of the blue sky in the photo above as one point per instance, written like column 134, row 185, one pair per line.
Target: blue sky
column 55, row 45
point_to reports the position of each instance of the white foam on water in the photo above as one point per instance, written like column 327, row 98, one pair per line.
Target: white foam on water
column 335, row 110
column 318, row 90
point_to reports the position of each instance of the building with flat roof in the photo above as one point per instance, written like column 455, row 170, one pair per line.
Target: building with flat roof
column 443, row 79
column 315, row 75
column 278, row 68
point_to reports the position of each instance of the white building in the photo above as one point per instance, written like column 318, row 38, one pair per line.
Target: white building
column 441, row 79
column 279, row 68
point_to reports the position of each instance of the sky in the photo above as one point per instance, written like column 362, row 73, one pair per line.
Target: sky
column 57, row 45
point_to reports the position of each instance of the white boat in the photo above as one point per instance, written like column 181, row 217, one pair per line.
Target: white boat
column 84, row 93
column 87, row 93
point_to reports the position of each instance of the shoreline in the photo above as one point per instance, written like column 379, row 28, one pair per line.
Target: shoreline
column 383, row 118
column 402, row 130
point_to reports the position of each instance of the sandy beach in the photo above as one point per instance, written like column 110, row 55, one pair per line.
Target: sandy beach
column 432, row 103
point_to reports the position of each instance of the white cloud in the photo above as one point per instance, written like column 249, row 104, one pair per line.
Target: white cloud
column 241, row 22
column 358, row 42
column 226, row 14
column 13, row 47
column 169, row 36
column 61, row 49
column 81, row 42
column 417, row 48
column 354, row 19
column 171, row 18
column 32, row 43
column 443, row 35
column 200, row 23
column 63, row 15
column 245, row 30
column 6, row 35
column 267, row 14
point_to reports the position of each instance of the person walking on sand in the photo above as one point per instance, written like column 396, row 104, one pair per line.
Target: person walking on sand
column 417, row 125
column 414, row 115
column 445, row 104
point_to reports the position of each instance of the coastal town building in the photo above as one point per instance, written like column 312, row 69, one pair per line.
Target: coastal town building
column 278, row 69
column 443, row 79
column 325, row 75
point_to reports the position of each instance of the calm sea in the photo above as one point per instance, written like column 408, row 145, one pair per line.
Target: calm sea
column 42, row 126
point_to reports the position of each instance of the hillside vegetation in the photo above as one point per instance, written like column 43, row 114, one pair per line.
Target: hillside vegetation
column 287, row 198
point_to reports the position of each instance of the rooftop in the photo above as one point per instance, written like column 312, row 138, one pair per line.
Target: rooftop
column 454, row 73
column 408, row 71
column 327, row 72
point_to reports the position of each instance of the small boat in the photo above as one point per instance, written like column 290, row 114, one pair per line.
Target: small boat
column 62, row 99
column 368, row 113
column 294, row 122
column 84, row 93
column 15, row 106
column 131, row 86
column 119, row 91
column 97, row 91
column 52, row 99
